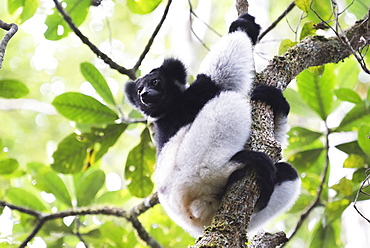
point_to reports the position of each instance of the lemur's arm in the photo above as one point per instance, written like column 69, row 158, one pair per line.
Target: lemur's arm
column 230, row 62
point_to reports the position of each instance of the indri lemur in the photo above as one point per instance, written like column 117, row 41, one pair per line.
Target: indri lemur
column 201, row 131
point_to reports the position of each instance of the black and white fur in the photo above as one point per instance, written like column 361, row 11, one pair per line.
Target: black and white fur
column 201, row 131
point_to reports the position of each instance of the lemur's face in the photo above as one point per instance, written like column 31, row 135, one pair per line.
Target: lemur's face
column 150, row 89
column 154, row 93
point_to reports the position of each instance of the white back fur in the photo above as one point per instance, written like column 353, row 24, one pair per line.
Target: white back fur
column 230, row 63
column 282, row 199
column 193, row 166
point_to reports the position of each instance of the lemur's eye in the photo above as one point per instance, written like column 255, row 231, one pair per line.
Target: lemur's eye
column 139, row 89
column 156, row 82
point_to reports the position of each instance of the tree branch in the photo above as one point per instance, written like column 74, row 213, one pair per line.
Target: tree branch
column 12, row 28
column 312, row 51
column 273, row 25
column 130, row 216
column 150, row 42
column 129, row 72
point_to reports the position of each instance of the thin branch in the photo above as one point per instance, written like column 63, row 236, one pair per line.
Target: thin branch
column 78, row 234
column 206, row 24
column 241, row 6
column 12, row 28
column 143, row 234
column 150, row 42
column 363, row 186
column 117, row 212
column 288, row 9
column 146, row 204
column 317, row 201
column 313, row 51
column 39, row 225
column 21, row 209
column 129, row 72
column 343, row 37
column 192, row 13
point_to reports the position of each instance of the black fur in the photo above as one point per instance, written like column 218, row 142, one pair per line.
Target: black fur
column 246, row 23
column 273, row 97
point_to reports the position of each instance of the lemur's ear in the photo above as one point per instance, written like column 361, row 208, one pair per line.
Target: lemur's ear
column 174, row 69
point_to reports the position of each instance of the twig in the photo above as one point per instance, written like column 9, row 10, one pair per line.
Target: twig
column 363, row 186
column 290, row 7
column 192, row 13
column 150, row 42
column 12, row 28
column 129, row 72
column 312, row 51
column 146, row 204
column 129, row 216
column 317, row 202
column 343, row 37
column 206, row 24
column 78, row 234
column 143, row 234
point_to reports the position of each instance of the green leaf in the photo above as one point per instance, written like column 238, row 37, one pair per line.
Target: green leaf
column 142, row 6
column 317, row 91
column 320, row 10
column 351, row 148
column 307, row 30
column 324, row 236
column 347, row 73
column 8, row 166
column 354, row 161
column 118, row 197
column 88, row 186
column 29, row 8
column 364, row 139
column 50, row 182
column 344, row 187
column 57, row 27
column 74, row 151
column 304, row 5
column 70, row 154
column 297, row 105
column 358, row 8
column 359, row 176
column 348, row 95
column 83, row 109
column 285, row 45
column 300, row 137
column 334, row 210
column 12, row 89
column 305, row 159
column 107, row 137
column 96, row 79
column 139, row 167
column 359, row 115
column 24, row 198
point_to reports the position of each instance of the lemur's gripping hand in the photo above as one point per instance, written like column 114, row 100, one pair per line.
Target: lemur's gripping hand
column 273, row 97
column 265, row 173
column 246, row 23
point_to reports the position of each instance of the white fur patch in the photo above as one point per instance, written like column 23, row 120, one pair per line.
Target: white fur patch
column 193, row 166
column 230, row 63
column 282, row 199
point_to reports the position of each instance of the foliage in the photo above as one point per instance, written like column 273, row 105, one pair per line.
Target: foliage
column 48, row 165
